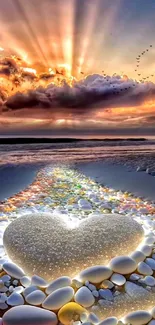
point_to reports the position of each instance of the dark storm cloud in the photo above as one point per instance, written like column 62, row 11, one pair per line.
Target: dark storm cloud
column 93, row 92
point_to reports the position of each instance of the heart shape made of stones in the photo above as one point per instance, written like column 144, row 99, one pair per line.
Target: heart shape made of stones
column 45, row 245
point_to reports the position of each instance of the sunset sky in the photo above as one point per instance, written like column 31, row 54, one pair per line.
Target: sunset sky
column 77, row 67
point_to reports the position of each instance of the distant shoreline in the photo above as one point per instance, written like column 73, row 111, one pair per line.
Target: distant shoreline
column 62, row 140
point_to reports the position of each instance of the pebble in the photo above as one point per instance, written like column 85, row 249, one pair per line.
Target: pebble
column 15, row 299
column 25, row 281
column 96, row 274
column 84, row 317
column 118, row 279
column 138, row 256
column 123, row 264
column 13, row 270
column 29, row 315
column 106, row 284
column 58, row 298
column 134, row 277
column 1, row 322
column 151, row 263
column 140, row 317
column 144, row 269
column 69, row 312
column 38, row 281
column 84, row 297
column 35, row 298
column 149, row 280
column 5, row 278
column 29, row 289
column 146, row 250
column 106, row 294
column 109, row 321
column 18, row 289
column 59, row 283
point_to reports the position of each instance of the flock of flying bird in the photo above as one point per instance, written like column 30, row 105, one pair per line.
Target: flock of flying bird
column 138, row 63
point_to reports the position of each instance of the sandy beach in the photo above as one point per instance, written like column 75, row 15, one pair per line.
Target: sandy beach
column 120, row 178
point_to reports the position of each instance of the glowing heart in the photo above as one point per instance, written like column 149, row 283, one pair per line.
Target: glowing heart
column 46, row 245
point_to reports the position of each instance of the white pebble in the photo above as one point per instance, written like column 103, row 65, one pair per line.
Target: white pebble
column 118, row 279
column 138, row 256
column 58, row 298
column 123, row 264
column 35, row 298
column 134, row 277
column 84, row 297
column 140, row 317
column 146, row 250
column 19, row 289
column 38, row 281
column 15, row 299
column 149, row 280
column 24, row 315
column 25, row 281
column 150, row 262
column 144, row 269
column 29, row 289
column 106, row 294
column 109, row 321
column 59, row 283
column 96, row 274
column 13, row 270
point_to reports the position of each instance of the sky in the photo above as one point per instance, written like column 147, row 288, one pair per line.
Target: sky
column 77, row 67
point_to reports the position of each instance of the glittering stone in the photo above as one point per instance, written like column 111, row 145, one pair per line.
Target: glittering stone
column 42, row 238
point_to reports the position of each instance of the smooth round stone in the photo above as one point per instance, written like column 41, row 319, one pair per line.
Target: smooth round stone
column 58, row 298
column 146, row 250
column 109, row 321
column 144, row 269
column 96, row 274
column 15, row 299
column 1, row 322
column 149, row 280
column 123, row 264
column 106, row 294
column 61, row 282
column 43, row 239
column 13, row 270
column 18, row 289
column 29, row 315
column 29, row 289
column 35, row 298
column 38, row 281
column 150, row 240
column 151, row 263
column 25, row 281
column 138, row 256
column 140, row 317
column 118, row 279
column 70, row 312
column 84, row 297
